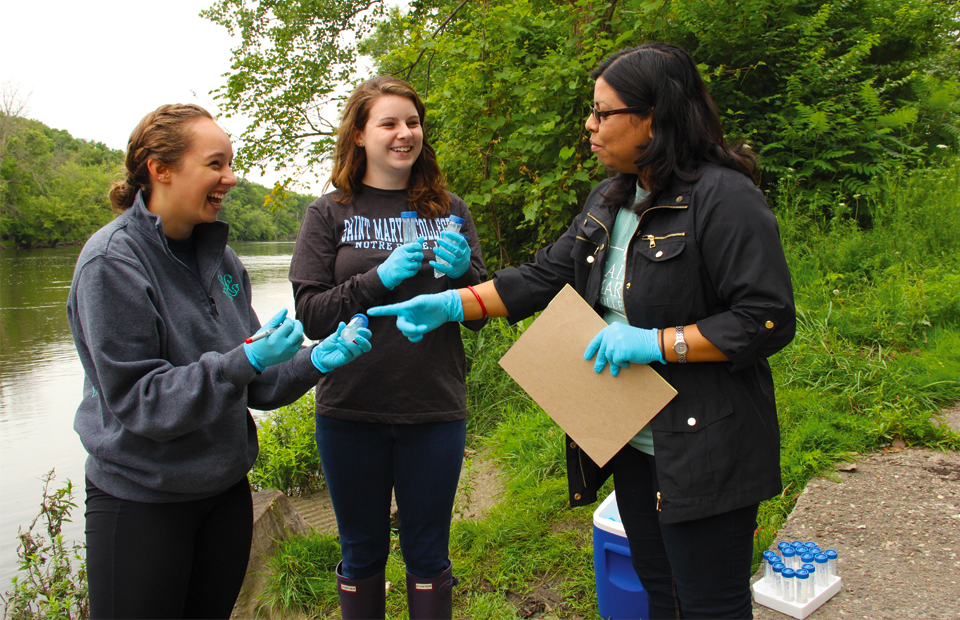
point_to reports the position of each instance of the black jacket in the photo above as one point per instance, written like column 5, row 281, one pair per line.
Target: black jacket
column 708, row 252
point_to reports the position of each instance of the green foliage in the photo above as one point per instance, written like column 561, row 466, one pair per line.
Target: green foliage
column 288, row 459
column 52, row 186
column 301, row 576
column 52, row 577
column 257, row 213
column 831, row 94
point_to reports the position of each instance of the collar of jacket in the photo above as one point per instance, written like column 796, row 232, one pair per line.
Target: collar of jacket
column 209, row 239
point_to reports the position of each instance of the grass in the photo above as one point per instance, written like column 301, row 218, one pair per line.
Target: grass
column 876, row 358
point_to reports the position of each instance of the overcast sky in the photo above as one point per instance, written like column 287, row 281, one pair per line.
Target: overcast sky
column 95, row 68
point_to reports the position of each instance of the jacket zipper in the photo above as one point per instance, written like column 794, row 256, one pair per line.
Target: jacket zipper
column 653, row 240
column 661, row 207
column 658, row 501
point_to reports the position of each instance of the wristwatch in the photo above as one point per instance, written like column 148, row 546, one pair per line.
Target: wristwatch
column 680, row 346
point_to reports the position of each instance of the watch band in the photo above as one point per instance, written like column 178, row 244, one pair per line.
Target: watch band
column 680, row 346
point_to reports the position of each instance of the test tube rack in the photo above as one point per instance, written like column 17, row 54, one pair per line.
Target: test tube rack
column 766, row 595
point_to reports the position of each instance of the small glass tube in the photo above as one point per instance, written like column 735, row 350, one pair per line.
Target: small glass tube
column 778, row 578
column 768, row 560
column 408, row 227
column 789, row 585
column 453, row 225
column 832, row 556
column 823, row 577
column 803, row 583
column 806, row 558
column 349, row 333
column 789, row 554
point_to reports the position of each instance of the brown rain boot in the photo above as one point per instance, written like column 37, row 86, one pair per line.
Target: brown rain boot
column 362, row 599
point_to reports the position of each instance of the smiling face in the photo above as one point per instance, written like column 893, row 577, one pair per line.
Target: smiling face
column 616, row 138
column 193, row 191
column 392, row 139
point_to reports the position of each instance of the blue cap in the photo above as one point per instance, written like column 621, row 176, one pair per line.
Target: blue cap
column 796, row 543
column 769, row 555
column 456, row 219
column 789, row 572
column 809, row 544
column 831, row 554
column 802, row 574
column 779, row 567
column 361, row 318
column 810, row 568
column 806, row 558
column 789, row 552
column 820, row 558
column 408, row 214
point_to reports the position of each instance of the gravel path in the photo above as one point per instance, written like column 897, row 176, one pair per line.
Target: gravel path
column 894, row 518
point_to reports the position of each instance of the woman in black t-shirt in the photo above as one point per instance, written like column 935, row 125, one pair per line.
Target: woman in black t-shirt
column 395, row 424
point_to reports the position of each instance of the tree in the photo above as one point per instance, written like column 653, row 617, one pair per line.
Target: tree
column 829, row 92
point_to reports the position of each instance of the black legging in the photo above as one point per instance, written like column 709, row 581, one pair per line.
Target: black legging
column 173, row 560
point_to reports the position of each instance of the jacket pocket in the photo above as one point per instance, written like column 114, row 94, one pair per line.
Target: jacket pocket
column 591, row 240
column 700, row 446
column 663, row 272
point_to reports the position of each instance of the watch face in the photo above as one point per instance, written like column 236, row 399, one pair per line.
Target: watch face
column 680, row 348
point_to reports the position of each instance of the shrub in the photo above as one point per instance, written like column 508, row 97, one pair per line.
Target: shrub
column 288, row 459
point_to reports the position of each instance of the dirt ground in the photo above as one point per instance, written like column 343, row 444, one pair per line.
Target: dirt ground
column 894, row 518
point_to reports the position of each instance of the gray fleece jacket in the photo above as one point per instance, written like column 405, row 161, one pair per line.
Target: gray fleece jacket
column 164, row 412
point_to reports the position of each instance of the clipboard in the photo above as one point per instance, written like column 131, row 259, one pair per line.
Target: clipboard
column 599, row 411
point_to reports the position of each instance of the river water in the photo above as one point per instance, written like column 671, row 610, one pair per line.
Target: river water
column 41, row 378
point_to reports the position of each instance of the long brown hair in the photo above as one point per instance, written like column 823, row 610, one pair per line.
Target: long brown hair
column 426, row 189
column 161, row 135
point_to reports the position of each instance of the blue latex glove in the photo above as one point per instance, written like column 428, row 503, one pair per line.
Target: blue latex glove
column 279, row 346
column 403, row 263
column 423, row 313
column 453, row 248
column 334, row 351
column 620, row 344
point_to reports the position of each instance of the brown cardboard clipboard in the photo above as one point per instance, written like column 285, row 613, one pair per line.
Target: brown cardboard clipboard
column 599, row 411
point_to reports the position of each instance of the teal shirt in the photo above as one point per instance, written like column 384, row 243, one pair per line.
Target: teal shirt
column 611, row 289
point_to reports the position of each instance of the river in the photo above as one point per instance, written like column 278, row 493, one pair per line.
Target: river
column 41, row 378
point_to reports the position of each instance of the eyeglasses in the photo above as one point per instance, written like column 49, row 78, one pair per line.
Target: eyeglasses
column 602, row 114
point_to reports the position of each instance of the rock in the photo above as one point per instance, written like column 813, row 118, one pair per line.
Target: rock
column 274, row 519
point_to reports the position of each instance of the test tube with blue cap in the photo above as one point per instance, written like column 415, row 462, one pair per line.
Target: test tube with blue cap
column 408, row 227
column 822, row 574
column 789, row 584
column 453, row 225
column 349, row 333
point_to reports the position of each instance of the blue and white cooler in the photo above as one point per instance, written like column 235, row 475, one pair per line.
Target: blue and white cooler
column 619, row 593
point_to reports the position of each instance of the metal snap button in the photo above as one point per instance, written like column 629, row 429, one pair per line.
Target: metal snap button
column 628, row 285
column 659, row 254
column 768, row 324
column 679, row 198
column 590, row 259
column 576, row 496
column 691, row 421
column 573, row 445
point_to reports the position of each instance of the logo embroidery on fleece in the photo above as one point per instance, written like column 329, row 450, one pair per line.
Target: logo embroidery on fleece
column 228, row 288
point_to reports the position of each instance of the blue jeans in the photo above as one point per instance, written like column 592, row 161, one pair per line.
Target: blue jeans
column 363, row 462
column 692, row 569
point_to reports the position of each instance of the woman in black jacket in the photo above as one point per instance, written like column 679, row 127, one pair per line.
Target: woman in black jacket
column 681, row 255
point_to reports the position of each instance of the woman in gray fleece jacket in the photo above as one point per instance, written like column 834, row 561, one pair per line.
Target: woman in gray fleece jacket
column 160, row 308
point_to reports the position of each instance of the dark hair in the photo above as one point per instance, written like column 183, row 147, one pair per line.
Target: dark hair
column 161, row 135
column 686, row 126
column 426, row 189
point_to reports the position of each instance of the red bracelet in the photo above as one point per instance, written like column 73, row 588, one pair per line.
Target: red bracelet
column 479, row 301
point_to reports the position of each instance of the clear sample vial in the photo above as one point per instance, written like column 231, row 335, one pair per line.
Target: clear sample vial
column 778, row 578
column 768, row 567
column 831, row 562
column 408, row 227
column 822, row 571
column 453, row 225
column 349, row 333
column 803, row 583
column 789, row 585
column 789, row 554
